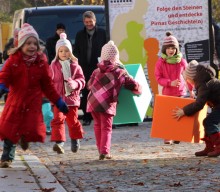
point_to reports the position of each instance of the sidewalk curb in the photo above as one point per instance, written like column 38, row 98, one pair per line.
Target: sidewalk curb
column 42, row 175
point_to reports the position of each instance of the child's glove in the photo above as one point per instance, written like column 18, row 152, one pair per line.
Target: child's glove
column 61, row 105
column 3, row 89
column 71, row 83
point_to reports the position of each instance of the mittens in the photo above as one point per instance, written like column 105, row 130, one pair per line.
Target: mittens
column 72, row 84
column 61, row 105
column 3, row 89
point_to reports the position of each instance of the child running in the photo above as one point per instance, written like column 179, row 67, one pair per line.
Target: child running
column 104, row 85
column 26, row 74
column 68, row 78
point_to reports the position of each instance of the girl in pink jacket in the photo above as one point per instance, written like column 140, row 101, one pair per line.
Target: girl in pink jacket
column 169, row 69
column 68, row 79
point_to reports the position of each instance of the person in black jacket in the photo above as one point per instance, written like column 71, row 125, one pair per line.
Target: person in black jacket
column 87, row 48
column 51, row 42
column 208, row 91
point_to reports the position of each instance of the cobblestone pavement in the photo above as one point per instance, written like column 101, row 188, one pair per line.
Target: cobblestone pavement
column 140, row 164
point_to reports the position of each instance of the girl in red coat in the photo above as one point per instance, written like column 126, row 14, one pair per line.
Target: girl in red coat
column 26, row 74
column 68, row 78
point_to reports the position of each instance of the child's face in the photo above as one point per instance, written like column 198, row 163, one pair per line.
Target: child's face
column 170, row 51
column 64, row 53
column 30, row 46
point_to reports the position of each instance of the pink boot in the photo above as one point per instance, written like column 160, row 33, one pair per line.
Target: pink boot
column 208, row 148
column 215, row 139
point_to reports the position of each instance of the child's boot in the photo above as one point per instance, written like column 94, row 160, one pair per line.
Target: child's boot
column 215, row 139
column 58, row 147
column 23, row 143
column 75, row 145
column 8, row 154
column 208, row 148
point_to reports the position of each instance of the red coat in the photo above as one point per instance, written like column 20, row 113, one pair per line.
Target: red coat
column 22, row 114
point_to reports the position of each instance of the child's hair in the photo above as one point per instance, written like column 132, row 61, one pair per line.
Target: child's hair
column 89, row 14
column 63, row 41
column 24, row 33
column 170, row 41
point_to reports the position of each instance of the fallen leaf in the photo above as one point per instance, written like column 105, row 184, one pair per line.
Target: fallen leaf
column 176, row 185
column 144, row 161
column 139, row 183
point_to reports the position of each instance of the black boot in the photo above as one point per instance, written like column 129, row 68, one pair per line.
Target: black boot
column 75, row 145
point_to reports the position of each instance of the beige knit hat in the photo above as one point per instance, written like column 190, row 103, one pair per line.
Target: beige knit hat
column 110, row 52
column 190, row 71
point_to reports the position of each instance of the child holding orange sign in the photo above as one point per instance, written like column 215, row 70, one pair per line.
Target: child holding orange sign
column 169, row 69
column 208, row 91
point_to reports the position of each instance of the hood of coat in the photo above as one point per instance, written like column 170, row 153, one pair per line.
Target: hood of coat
column 204, row 74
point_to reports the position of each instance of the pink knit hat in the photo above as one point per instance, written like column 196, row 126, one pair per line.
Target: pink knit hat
column 25, row 32
column 110, row 52
column 170, row 40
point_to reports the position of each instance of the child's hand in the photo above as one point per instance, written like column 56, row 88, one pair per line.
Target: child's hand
column 192, row 94
column 175, row 83
column 178, row 113
column 71, row 83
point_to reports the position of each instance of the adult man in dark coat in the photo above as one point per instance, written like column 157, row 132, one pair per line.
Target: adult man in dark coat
column 51, row 41
column 88, row 45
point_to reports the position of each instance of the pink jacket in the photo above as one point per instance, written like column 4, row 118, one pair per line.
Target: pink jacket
column 77, row 75
column 165, row 73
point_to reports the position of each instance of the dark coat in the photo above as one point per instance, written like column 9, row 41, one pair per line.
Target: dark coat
column 22, row 114
column 81, row 46
column 51, row 47
column 207, row 88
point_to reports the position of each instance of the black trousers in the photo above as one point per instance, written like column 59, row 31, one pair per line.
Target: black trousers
column 86, row 116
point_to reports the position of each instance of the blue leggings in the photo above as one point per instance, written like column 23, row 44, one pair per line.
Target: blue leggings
column 48, row 115
column 211, row 122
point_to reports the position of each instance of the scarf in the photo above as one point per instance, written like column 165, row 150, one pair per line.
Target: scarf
column 66, row 74
column 174, row 59
column 29, row 59
column 89, row 49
